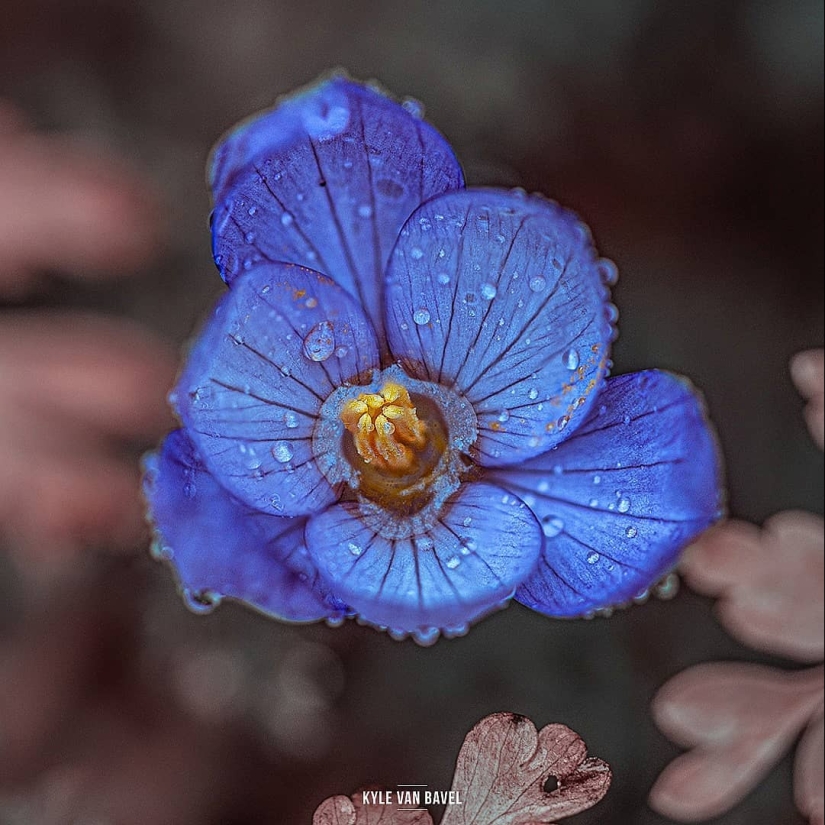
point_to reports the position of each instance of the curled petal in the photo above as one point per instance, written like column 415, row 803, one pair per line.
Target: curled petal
column 326, row 179
column 504, row 764
column 808, row 373
column 277, row 345
column 769, row 581
column 740, row 719
column 221, row 548
column 621, row 497
column 502, row 297
column 436, row 577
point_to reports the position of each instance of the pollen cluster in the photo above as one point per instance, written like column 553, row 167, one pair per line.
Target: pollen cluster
column 386, row 430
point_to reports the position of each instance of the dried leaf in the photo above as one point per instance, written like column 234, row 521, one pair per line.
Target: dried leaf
column 344, row 810
column 503, row 767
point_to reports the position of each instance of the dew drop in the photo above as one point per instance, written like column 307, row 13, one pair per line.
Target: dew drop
column 607, row 271
column 538, row 283
column 319, row 343
column 453, row 562
column 631, row 532
column 252, row 211
column 624, row 505
column 443, row 278
column 488, row 292
column 354, row 548
column 421, row 317
column 597, row 479
column 467, row 521
column 290, row 420
column 592, row 558
column 416, row 253
column 286, row 219
column 503, row 416
column 414, row 107
column 551, row 526
column 571, row 359
column 282, row 451
column 533, row 394
column 365, row 211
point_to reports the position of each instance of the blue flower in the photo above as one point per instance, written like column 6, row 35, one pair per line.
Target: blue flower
column 400, row 409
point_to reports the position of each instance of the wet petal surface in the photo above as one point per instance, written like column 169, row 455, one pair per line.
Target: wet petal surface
column 501, row 296
column 277, row 345
column 620, row 498
column 221, row 548
column 326, row 179
column 482, row 546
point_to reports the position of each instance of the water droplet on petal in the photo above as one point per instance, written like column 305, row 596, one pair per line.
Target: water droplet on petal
column 624, row 505
column 290, row 420
column 421, row 317
column 416, row 253
column 413, row 106
column 631, row 532
column 533, row 394
column 538, row 283
column 488, row 292
column 593, row 557
column 571, row 359
column 282, row 452
column 286, row 219
column 443, row 278
column 354, row 548
column 365, row 211
column 319, row 343
column 607, row 271
column 453, row 562
column 503, row 416
column 467, row 521
column 551, row 526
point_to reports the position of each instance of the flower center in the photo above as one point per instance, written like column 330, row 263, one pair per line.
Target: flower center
column 386, row 430
column 399, row 444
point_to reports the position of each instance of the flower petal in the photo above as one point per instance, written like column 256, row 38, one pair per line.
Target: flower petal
column 219, row 547
column 277, row 345
column 326, row 179
column 502, row 296
column 471, row 560
column 619, row 499
column 769, row 581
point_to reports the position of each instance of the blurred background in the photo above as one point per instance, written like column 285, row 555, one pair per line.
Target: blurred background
column 689, row 136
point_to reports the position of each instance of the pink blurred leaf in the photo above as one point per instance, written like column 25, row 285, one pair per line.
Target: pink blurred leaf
column 343, row 810
column 503, row 767
column 808, row 373
column 739, row 719
column 770, row 581
column 808, row 774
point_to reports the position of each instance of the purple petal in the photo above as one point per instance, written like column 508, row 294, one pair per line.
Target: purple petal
column 501, row 296
column 326, row 179
column 618, row 500
column 443, row 576
column 277, row 345
column 221, row 548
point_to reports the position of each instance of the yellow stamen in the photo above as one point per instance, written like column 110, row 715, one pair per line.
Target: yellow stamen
column 385, row 428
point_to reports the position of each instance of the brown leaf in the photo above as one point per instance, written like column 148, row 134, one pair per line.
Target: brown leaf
column 343, row 810
column 503, row 767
